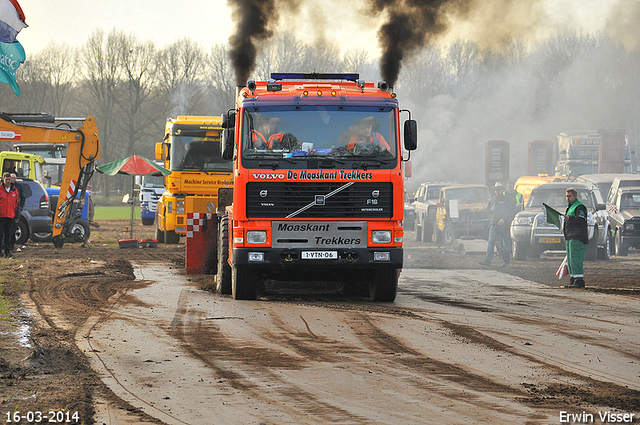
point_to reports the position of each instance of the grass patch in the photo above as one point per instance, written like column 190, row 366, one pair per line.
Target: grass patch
column 5, row 304
column 122, row 212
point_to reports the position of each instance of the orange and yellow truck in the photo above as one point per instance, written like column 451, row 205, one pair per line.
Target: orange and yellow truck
column 191, row 150
column 318, row 190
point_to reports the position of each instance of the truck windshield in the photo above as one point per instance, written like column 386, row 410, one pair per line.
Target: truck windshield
column 319, row 131
column 197, row 150
column 153, row 181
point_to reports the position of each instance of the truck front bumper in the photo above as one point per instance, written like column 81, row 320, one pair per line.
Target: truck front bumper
column 290, row 262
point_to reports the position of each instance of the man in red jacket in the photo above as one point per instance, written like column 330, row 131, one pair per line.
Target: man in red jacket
column 9, row 202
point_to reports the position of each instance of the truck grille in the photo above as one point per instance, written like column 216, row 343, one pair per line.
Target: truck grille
column 359, row 200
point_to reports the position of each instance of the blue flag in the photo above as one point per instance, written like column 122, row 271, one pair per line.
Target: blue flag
column 11, row 56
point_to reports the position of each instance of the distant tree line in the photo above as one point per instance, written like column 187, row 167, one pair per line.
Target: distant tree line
column 461, row 96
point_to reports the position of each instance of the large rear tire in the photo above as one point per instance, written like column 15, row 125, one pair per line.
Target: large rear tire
column 591, row 250
column 147, row 221
column 244, row 283
column 520, row 250
column 604, row 253
column 171, row 237
column 426, row 232
column 384, row 285
column 223, row 275
column 448, row 235
column 621, row 249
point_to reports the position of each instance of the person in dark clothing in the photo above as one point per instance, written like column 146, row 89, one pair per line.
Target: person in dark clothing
column 502, row 208
column 576, row 235
column 21, row 203
column 8, row 167
column 517, row 197
column 9, row 202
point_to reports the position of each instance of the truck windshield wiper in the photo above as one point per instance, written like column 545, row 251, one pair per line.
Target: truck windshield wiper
column 276, row 162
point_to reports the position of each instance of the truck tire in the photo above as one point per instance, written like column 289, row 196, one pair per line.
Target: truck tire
column 244, row 283
column 147, row 221
column 384, row 285
column 159, row 234
column 171, row 237
column 426, row 232
column 223, row 275
column 448, row 235
column 22, row 232
column 80, row 231
column 604, row 253
column 621, row 249
column 591, row 250
column 520, row 250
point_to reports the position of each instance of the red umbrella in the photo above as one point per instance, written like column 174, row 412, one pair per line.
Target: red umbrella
column 133, row 165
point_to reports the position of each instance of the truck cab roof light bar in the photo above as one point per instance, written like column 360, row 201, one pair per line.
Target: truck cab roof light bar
column 313, row 76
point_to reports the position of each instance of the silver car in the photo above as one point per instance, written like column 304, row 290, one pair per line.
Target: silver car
column 531, row 234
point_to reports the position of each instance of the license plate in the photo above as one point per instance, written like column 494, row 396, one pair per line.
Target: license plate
column 550, row 240
column 319, row 255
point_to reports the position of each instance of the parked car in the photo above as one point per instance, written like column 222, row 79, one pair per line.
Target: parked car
column 462, row 211
column 424, row 203
column 531, row 234
column 36, row 214
column 525, row 184
column 627, row 180
column 409, row 221
column 605, row 181
column 624, row 213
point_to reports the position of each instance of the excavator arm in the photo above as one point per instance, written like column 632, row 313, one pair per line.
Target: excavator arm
column 83, row 149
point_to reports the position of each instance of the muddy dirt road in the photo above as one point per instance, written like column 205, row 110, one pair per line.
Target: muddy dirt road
column 125, row 336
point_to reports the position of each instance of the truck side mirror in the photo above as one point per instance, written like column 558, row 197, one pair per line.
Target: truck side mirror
column 227, row 143
column 410, row 135
column 228, row 120
column 159, row 150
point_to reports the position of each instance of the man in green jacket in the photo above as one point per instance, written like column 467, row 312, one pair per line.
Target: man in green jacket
column 576, row 235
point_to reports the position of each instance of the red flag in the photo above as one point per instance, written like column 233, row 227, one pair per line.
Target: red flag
column 11, row 20
column 563, row 270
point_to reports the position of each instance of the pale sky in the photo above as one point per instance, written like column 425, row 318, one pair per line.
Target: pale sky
column 209, row 21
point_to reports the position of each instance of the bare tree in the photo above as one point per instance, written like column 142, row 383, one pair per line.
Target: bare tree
column 136, row 93
column 283, row 53
column 355, row 60
column 102, row 72
column 61, row 72
column 220, row 79
column 181, row 69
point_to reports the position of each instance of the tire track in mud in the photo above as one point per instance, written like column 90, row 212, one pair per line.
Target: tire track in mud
column 597, row 389
column 538, row 394
column 206, row 342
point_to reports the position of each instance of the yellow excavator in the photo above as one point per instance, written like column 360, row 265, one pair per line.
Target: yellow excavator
column 83, row 149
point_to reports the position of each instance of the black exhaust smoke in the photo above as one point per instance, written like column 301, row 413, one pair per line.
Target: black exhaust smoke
column 252, row 19
column 411, row 25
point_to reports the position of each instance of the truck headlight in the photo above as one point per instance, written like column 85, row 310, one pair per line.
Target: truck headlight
column 524, row 221
column 256, row 236
column 381, row 236
column 180, row 203
column 629, row 226
column 180, row 210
